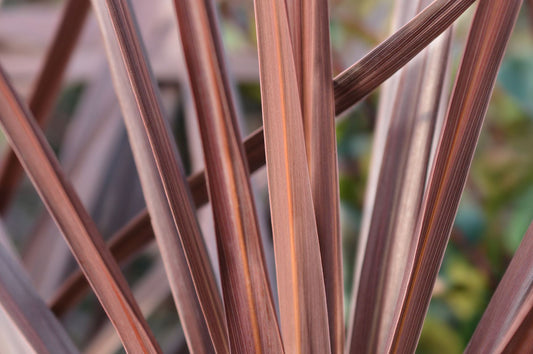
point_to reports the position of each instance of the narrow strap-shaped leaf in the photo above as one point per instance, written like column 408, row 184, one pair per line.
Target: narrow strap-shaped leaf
column 309, row 22
column 128, row 238
column 128, row 241
column 401, row 14
column 511, row 306
column 6, row 243
column 94, row 131
column 197, row 163
column 251, row 317
column 490, row 31
column 164, row 185
column 46, row 88
column 79, row 230
column 22, row 306
column 318, row 109
column 150, row 291
column 393, row 209
column 363, row 77
column 522, row 339
column 302, row 297
column 121, row 247
column 296, row 16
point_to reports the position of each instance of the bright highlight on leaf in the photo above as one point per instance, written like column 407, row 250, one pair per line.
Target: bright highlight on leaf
column 301, row 291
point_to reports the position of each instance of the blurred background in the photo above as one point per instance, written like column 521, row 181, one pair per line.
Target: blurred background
column 86, row 132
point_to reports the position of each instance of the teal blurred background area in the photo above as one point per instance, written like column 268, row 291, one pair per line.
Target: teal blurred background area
column 497, row 203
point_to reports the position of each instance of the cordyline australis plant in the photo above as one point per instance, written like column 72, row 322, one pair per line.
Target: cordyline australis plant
column 423, row 148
